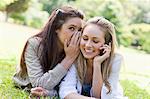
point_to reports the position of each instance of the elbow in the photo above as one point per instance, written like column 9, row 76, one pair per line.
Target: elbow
column 33, row 82
column 39, row 82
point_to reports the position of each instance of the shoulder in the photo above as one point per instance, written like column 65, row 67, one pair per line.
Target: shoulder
column 34, row 41
column 118, row 57
column 117, row 62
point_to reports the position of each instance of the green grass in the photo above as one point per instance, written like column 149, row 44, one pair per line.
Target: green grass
column 133, row 91
column 8, row 91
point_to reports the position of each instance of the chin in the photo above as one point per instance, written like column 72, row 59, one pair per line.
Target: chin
column 88, row 56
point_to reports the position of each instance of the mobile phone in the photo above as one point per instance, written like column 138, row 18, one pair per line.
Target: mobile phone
column 101, row 52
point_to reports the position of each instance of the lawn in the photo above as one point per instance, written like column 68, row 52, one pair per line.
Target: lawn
column 135, row 74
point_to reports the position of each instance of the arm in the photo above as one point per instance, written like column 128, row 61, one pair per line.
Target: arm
column 97, row 75
column 77, row 96
column 46, row 80
column 116, row 90
column 97, row 80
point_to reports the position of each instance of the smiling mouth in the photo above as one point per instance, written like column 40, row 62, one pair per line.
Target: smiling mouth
column 88, row 51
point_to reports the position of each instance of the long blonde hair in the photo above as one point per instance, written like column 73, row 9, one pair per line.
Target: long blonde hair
column 110, row 36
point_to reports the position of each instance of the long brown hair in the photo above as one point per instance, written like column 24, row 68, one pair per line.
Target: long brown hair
column 108, row 29
column 50, row 55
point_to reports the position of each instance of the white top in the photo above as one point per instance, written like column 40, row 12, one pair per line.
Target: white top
column 71, row 83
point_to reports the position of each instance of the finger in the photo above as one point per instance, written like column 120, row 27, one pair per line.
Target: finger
column 36, row 93
column 109, row 43
column 106, row 47
column 37, row 89
column 72, row 41
column 101, row 48
column 109, row 46
column 79, row 38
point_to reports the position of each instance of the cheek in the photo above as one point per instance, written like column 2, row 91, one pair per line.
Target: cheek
column 82, row 42
column 97, row 48
column 68, row 34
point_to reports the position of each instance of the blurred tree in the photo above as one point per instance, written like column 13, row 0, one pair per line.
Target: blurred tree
column 49, row 5
column 113, row 11
column 4, row 3
column 144, row 7
column 131, row 11
column 13, row 6
column 17, row 6
column 89, row 7
column 110, row 9
column 34, row 16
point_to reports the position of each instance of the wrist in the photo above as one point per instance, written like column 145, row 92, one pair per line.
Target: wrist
column 66, row 62
column 96, row 64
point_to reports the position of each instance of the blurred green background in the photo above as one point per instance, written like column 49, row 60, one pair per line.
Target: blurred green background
column 19, row 19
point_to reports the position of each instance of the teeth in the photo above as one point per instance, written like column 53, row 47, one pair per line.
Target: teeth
column 89, row 51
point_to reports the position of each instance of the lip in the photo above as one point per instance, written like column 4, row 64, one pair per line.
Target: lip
column 88, row 51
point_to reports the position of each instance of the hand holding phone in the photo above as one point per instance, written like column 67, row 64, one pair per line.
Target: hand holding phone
column 104, row 53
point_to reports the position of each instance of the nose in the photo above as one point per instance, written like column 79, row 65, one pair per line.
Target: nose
column 88, row 43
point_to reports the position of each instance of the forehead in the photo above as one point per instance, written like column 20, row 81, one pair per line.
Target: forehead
column 93, row 31
column 75, row 21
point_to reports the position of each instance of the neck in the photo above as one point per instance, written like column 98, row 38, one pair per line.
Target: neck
column 89, row 72
column 90, row 63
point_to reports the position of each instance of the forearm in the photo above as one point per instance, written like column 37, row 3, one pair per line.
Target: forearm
column 47, row 80
column 67, row 62
column 53, row 77
column 77, row 96
column 97, row 82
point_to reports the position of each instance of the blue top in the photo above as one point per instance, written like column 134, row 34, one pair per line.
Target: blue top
column 86, row 89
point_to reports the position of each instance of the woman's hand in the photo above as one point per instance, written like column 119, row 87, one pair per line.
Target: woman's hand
column 71, row 48
column 39, row 91
column 106, row 53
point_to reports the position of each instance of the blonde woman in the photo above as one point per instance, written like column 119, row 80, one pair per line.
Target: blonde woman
column 96, row 71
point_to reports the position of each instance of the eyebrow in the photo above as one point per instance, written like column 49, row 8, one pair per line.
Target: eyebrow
column 73, row 25
column 95, row 37
column 92, row 37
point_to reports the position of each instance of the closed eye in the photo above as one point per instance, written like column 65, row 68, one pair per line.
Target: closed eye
column 95, row 41
column 85, row 38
